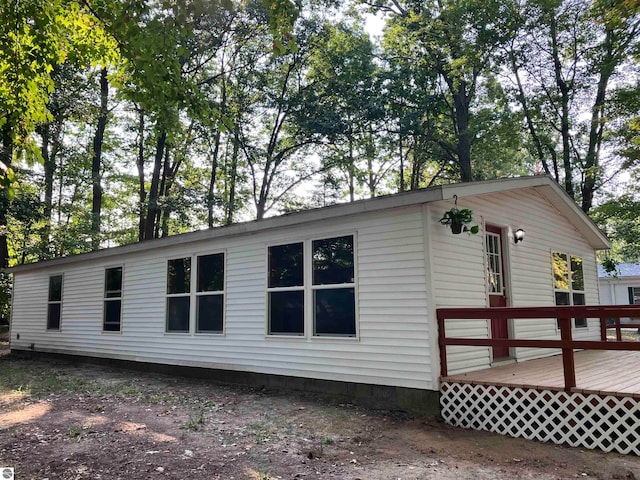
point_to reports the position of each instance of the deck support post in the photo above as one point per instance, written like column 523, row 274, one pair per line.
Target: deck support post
column 568, row 361
column 442, row 346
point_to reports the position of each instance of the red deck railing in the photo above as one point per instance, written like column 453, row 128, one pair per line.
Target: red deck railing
column 563, row 314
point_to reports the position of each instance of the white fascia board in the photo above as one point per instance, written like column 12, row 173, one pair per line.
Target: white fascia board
column 565, row 204
column 549, row 189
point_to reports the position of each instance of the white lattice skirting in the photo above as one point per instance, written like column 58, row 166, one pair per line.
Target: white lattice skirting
column 580, row 420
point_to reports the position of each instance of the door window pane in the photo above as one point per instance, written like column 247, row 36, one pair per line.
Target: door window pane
column 286, row 313
column 211, row 273
column 333, row 261
column 335, row 312
column 178, row 314
column 210, row 313
column 286, row 265
column 179, row 275
column 494, row 263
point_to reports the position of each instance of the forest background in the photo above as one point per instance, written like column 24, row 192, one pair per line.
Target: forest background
column 127, row 120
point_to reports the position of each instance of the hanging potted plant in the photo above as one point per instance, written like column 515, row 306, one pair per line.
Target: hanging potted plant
column 458, row 220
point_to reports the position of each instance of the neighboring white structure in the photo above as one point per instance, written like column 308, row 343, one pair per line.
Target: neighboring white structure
column 343, row 293
column 621, row 287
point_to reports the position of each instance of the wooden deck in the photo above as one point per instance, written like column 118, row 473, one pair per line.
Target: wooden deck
column 603, row 372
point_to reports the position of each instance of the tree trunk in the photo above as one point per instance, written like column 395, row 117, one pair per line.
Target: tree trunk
column 564, row 99
column 400, row 153
column 591, row 163
column 6, row 156
column 212, row 179
column 528, row 116
column 350, row 170
column 463, row 147
column 152, row 205
column 142, row 194
column 96, row 163
column 232, row 175
column 49, row 170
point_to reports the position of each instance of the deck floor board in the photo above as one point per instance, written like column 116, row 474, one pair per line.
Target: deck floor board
column 613, row 372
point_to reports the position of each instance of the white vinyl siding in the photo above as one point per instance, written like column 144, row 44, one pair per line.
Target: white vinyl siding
column 459, row 279
column 394, row 323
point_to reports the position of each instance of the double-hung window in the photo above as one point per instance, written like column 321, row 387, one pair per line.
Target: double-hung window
column 311, row 286
column 112, row 312
column 286, row 289
column 333, row 287
column 54, row 304
column 210, row 294
column 568, row 280
column 178, row 294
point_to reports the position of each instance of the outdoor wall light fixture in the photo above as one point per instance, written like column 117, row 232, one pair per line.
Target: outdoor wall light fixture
column 518, row 235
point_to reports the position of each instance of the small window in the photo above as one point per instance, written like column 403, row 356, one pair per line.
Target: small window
column 334, row 312
column 210, row 294
column 54, row 306
column 178, row 294
column 286, row 289
column 112, row 299
column 568, row 284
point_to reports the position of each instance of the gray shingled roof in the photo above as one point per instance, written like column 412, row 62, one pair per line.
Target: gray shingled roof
column 623, row 270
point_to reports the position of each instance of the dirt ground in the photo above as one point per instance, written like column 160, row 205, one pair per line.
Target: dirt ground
column 60, row 420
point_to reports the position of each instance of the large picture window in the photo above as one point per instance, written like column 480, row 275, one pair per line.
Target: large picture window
column 328, row 286
column 112, row 313
column 568, row 282
column 210, row 294
column 178, row 294
column 54, row 304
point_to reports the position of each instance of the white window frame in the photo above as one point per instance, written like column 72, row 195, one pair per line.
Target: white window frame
column 178, row 295
column 570, row 291
column 112, row 299
column 314, row 288
column 53, row 302
column 296, row 288
column 309, row 289
column 197, row 294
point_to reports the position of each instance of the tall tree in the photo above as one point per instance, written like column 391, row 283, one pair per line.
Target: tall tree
column 460, row 41
column 567, row 60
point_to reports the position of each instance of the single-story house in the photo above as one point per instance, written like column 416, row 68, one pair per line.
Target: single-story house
column 338, row 299
column 620, row 287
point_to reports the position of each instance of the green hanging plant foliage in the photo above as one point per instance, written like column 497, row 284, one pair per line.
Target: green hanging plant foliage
column 459, row 221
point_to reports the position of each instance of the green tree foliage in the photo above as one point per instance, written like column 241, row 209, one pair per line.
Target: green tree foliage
column 157, row 117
